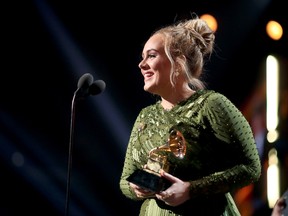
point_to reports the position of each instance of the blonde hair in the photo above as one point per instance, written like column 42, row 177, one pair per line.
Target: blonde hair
column 186, row 45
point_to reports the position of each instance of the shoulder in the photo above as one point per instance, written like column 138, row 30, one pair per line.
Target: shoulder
column 149, row 109
column 212, row 100
column 212, row 96
column 206, row 96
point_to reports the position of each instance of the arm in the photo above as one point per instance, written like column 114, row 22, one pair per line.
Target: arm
column 133, row 161
column 280, row 208
column 231, row 127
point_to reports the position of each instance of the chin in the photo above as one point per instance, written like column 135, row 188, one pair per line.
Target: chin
column 150, row 87
column 146, row 88
column 149, row 90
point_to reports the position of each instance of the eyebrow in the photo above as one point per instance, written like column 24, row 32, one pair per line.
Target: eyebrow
column 152, row 49
column 149, row 50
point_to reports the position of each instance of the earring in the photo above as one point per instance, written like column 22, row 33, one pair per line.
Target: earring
column 177, row 72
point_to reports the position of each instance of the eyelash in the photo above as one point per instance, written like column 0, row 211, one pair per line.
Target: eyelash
column 149, row 56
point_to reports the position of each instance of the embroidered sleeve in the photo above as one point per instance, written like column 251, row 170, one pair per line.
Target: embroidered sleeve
column 232, row 129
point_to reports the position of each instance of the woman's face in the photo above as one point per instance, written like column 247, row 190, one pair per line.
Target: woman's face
column 155, row 66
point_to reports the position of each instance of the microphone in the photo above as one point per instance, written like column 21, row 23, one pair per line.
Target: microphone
column 85, row 81
column 97, row 87
column 86, row 86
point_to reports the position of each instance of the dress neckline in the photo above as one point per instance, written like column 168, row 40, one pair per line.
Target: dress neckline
column 181, row 103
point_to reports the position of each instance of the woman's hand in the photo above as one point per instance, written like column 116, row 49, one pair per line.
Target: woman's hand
column 141, row 192
column 177, row 193
column 279, row 207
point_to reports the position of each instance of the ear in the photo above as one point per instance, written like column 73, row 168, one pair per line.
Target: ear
column 180, row 62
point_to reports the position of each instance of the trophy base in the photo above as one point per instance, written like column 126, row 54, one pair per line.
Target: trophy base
column 149, row 181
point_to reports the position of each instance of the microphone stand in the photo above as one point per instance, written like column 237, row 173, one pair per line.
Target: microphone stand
column 70, row 155
column 86, row 86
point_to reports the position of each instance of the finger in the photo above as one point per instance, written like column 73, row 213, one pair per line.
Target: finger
column 168, row 195
column 140, row 195
column 167, row 203
column 168, row 176
column 164, row 196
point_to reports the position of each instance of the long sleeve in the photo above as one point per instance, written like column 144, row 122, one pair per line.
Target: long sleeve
column 129, row 163
column 237, row 158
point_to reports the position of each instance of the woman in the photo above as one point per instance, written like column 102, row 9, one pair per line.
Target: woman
column 220, row 150
column 280, row 208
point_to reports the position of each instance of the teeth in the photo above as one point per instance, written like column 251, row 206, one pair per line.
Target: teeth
column 148, row 74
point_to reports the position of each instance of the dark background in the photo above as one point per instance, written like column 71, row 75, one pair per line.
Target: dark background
column 48, row 45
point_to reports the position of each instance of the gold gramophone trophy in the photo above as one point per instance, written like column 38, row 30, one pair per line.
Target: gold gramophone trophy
column 149, row 177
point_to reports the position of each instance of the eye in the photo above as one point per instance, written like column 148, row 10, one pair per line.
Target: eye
column 151, row 56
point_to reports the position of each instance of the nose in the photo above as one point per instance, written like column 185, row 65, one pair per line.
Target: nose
column 142, row 64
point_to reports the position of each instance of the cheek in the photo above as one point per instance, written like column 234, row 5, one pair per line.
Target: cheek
column 163, row 67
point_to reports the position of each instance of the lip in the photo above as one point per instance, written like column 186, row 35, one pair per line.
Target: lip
column 148, row 74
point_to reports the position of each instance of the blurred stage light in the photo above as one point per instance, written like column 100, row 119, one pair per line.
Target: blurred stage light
column 211, row 21
column 274, row 30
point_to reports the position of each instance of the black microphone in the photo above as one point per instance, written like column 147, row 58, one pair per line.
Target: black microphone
column 85, row 81
column 86, row 86
column 97, row 87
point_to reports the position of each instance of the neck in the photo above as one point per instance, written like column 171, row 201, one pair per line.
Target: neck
column 174, row 99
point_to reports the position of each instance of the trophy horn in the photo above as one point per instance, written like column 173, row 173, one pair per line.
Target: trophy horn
column 175, row 144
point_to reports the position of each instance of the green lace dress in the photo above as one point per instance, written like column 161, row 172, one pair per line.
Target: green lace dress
column 221, row 154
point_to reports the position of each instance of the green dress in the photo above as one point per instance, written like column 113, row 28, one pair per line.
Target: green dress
column 221, row 154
